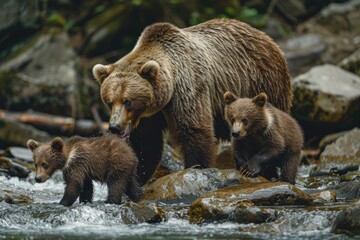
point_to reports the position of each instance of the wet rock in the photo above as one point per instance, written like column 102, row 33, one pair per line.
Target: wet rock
column 348, row 221
column 267, row 193
column 332, row 169
column 187, row 185
column 15, row 133
column 351, row 176
column 43, row 77
column 220, row 210
column 302, row 51
column 138, row 213
column 327, row 94
column 320, row 181
column 15, row 198
column 352, row 63
column 325, row 196
column 12, row 169
column 345, row 149
column 347, row 190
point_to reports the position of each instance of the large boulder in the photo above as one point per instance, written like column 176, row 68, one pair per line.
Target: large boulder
column 187, row 185
column 327, row 94
column 44, row 76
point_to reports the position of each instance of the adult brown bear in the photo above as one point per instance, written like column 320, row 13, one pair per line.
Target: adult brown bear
column 175, row 79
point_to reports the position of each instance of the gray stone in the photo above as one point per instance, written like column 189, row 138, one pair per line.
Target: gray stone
column 327, row 94
column 302, row 51
column 25, row 13
column 352, row 63
column 348, row 221
column 347, row 190
column 42, row 77
column 345, row 149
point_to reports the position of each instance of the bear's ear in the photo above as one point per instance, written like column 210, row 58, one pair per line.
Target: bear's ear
column 150, row 70
column 57, row 144
column 32, row 144
column 100, row 72
column 260, row 99
column 229, row 97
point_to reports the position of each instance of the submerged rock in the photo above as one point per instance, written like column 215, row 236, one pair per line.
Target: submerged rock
column 348, row 221
column 187, row 185
column 327, row 94
column 138, row 213
column 267, row 193
column 15, row 198
column 219, row 209
column 347, row 190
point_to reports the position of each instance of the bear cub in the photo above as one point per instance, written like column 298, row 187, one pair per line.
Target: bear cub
column 105, row 159
column 264, row 138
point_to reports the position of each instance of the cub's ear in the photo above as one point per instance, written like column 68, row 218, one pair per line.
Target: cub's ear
column 260, row 99
column 150, row 70
column 229, row 97
column 100, row 72
column 57, row 144
column 32, row 144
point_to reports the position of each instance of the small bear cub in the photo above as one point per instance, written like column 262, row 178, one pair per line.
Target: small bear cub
column 264, row 138
column 105, row 159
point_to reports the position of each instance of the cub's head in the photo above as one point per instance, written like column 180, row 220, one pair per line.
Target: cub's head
column 48, row 157
column 246, row 116
column 127, row 89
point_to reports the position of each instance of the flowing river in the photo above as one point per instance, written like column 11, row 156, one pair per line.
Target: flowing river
column 44, row 218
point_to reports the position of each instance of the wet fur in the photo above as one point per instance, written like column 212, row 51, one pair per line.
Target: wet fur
column 105, row 159
column 273, row 140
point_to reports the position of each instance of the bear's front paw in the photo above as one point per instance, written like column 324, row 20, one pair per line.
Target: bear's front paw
column 249, row 170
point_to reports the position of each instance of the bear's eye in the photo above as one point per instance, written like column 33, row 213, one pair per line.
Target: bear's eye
column 45, row 165
column 245, row 121
column 127, row 103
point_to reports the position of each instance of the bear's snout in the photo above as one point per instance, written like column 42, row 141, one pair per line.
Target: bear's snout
column 38, row 179
column 114, row 128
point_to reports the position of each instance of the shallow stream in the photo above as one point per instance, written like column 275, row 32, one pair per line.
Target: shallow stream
column 45, row 219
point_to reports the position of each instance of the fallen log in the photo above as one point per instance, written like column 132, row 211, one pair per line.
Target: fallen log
column 58, row 125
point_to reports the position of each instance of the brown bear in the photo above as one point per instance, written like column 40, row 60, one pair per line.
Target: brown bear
column 264, row 138
column 106, row 159
column 174, row 79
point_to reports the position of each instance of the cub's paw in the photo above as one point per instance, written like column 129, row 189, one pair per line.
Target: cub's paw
column 249, row 170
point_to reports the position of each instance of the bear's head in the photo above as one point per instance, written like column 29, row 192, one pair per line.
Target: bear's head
column 48, row 157
column 132, row 91
column 246, row 116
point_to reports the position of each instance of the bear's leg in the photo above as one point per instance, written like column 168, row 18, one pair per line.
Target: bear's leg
column 86, row 194
column 147, row 142
column 133, row 189
column 289, row 167
column 116, row 187
column 269, row 171
column 72, row 192
column 197, row 146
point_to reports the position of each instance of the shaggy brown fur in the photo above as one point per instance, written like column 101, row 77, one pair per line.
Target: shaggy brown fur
column 264, row 138
column 105, row 159
column 175, row 79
